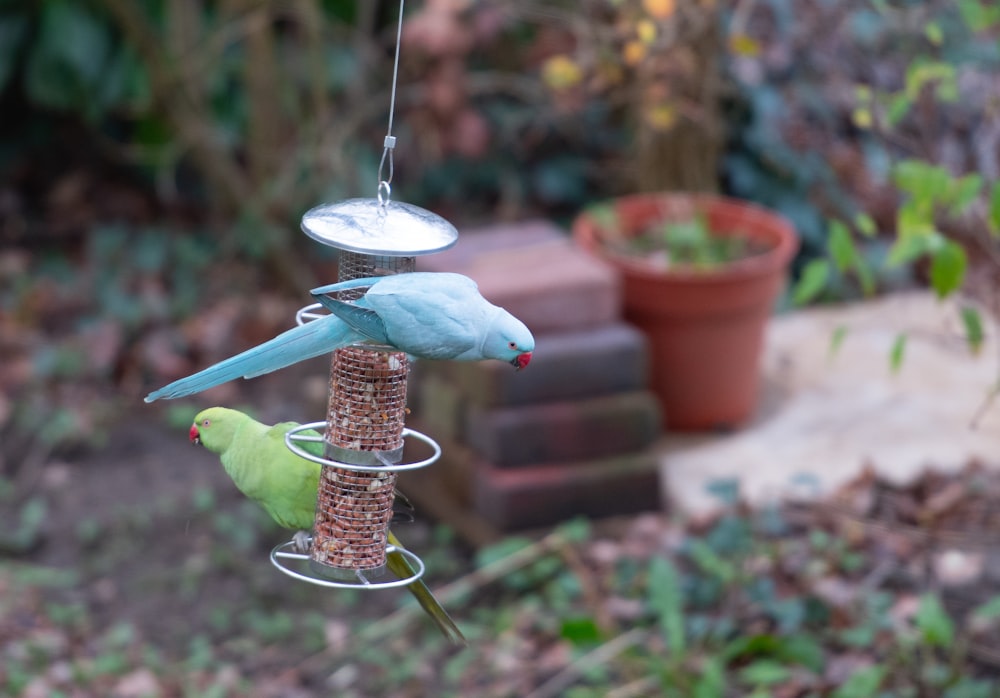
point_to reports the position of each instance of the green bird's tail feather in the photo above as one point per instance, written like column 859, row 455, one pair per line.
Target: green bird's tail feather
column 400, row 566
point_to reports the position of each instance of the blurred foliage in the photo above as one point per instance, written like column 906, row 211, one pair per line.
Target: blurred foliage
column 263, row 109
column 658, row 63
column 826, row 600
column 157, row 156
column 857, row 111
column 930, row 119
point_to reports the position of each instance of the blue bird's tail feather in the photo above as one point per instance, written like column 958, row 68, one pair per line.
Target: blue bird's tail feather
column 297, row 344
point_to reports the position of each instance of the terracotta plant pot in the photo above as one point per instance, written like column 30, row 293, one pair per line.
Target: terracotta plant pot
column 705, row 327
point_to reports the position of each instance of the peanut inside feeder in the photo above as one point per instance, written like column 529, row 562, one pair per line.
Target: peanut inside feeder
column 365, row 417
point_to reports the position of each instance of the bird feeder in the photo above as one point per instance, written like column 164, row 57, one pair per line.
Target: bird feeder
column 364, row 431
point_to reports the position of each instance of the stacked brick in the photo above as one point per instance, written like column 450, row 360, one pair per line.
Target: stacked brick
column 573, row 433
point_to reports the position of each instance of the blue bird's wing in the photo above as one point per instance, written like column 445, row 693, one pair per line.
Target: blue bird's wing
column 297, row 344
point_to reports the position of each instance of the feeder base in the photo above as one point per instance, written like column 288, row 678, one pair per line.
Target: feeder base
column 300, row 566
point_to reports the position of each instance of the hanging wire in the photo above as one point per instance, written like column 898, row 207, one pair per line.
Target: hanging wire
column 384, row 188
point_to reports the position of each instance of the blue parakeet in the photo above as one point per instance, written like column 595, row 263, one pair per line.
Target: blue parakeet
column 428, row 315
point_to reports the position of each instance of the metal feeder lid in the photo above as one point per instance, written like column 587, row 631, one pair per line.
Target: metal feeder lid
column 368, row 226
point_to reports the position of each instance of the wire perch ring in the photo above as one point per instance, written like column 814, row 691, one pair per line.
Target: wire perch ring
column 295, row 435
column 301, row 566
column 285, row 558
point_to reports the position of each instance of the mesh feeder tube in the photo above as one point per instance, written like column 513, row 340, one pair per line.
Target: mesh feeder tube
column 365, row 416
column 365, row 420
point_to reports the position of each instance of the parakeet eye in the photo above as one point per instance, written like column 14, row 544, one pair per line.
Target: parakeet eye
column 512, row 345
column 206, row 422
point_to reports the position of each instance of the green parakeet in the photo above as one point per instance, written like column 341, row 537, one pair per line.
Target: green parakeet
column 256, row 458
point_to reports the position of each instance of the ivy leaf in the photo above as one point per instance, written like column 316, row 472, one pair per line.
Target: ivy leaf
column 942, row 74
column 987, row 611
column 865, row 224
column 764, row 672
column 837, row 339
column 862, row 118
column 979, row 15
column 913, row 242
column 934, row 33
column 898, row 108
column 973, row 323
column 948, row 265
column 963, row 192
column 921, row 180
column 812, row 282
column 711, row 563
column 841, row 246
column 68, row 59
column 994, row 213
column 897, row 352
column 666, row 598
column 580, row 631
column 863, row 683
column 865, row 276
column 712, row 682
column 935, row 625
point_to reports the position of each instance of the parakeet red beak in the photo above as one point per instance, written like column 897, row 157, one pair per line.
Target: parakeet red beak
column 194, row 435
column 521, row 360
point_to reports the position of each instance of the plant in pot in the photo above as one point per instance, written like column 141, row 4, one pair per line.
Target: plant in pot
column 700, row 276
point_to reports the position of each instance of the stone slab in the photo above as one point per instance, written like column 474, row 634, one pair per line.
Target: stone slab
column 566, row 366
column 554, row 432
column 825, row 417
column 543, row 495
column 534, row 271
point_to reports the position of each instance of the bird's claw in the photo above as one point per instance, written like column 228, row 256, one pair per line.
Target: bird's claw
column 302, row 541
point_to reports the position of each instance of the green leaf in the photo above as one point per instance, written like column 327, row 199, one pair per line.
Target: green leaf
column 837, row 339
column 865, row 275
column 802, row 650
column 576, row 530
column 948, row 265
column 862, row 117
column 667, row 601
column 935, row 625
column 923, row 181
column 764, row 672
column 898, row 107
column 710, row 562
column 712, row 682
column 792, row 649
column 67, row 61
column 973, row 324
column 994, row 212
column 580, row 631
column 934, row 33
column 990, row 610
column 915, row 240
column 812, row 282
column 863, row 683
column 963, row 192
column 841, row 246
column 977, row 15
column 941, row 74
column 971, row 688
column 897, row 352
column 605, row 215
column 865, row 225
